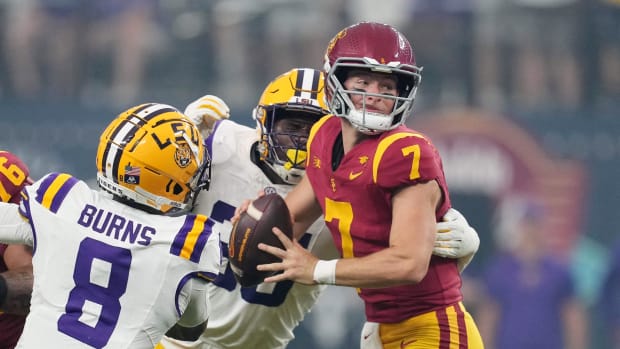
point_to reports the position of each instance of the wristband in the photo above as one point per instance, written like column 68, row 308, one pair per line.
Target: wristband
column 325, row 272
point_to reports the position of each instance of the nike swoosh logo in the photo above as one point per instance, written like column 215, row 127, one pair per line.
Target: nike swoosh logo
column 404, row 344
column 353, row 175
column 367, row 335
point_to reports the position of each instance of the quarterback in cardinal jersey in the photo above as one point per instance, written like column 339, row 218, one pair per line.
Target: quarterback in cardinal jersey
column 244, row 164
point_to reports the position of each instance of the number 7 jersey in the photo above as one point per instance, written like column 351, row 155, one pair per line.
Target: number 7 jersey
column 107, row 275
column 356, row 202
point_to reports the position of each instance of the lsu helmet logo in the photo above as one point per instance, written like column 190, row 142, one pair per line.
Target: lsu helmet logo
column 183, row 155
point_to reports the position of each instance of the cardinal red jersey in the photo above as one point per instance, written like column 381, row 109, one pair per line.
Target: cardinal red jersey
column 11, row 326
column 13, row 177
column 356, row 202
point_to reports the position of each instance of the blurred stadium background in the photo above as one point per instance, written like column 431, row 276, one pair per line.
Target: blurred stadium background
column 520, row 96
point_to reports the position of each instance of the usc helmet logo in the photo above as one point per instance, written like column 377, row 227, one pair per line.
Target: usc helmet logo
column 334, row 40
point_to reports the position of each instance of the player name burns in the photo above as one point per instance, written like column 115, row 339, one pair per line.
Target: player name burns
column 115, row 226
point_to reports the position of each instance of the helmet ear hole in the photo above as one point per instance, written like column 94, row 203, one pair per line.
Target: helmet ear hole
column 177, row 189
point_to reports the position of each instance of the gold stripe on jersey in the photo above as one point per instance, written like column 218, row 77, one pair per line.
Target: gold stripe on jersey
column 53, row 190
column 317, row 125
column 384, row 145
column 192, row 236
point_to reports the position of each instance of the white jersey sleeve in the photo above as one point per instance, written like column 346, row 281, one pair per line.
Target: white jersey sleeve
column 238, row 315
column 107, row 275
column 14, row 229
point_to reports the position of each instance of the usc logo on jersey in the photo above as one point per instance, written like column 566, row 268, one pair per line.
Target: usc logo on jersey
column 316, row 162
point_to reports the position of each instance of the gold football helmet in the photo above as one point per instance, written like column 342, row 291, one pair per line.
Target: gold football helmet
column 297, row 96
column 154, row 156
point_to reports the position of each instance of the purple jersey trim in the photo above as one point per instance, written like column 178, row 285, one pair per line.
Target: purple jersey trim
column 179, row 241
column 186, row 278
column 59, row 195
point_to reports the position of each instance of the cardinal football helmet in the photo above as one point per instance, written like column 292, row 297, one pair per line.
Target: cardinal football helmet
column 154, row 156
column 296, row 94
column 13, row 177
column 378, row 48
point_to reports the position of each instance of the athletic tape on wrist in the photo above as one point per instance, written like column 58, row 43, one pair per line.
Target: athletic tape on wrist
column 325, row 272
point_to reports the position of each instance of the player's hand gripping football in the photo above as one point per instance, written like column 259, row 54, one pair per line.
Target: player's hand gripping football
column 456, row 239
column 297, row 263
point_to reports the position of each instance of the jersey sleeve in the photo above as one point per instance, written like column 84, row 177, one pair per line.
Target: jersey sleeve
column 406, row 158
column 197, row 310
column 14, row 229
column 222, row 142
column 313, row 131
column 212, row 255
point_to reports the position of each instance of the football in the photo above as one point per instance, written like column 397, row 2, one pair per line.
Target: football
column 253, row 227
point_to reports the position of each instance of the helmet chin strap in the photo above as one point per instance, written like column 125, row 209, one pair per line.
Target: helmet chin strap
column 292, row 176
column 289, row 171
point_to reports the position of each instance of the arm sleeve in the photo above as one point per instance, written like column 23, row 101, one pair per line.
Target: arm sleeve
column 13, row 228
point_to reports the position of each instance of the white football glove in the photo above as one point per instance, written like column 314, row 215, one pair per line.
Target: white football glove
column 456, row 239
column 206, row 110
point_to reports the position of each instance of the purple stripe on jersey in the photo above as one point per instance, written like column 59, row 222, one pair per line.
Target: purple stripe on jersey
column 24, row 206
column 62, row 193
column 208, row 277
column 24, row 210
column 179, row 240
column 209, row 140
column 45, row 184
column 180, row 286
column 201, row 241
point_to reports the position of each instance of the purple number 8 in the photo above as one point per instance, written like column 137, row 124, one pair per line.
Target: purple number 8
column 108, row 297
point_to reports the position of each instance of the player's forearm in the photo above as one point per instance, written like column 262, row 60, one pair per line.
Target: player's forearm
column 385, row 268
column 18, row 289
column 303, row 207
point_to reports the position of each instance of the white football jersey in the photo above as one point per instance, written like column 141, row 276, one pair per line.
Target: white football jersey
column 106, row 275
column 253, row 317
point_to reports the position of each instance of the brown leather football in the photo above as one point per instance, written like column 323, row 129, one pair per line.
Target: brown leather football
column 253, row 227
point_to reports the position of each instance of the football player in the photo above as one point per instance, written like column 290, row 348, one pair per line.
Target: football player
column 118, row 270
column 15, row 259
column 381, row 189
column 274, row 158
